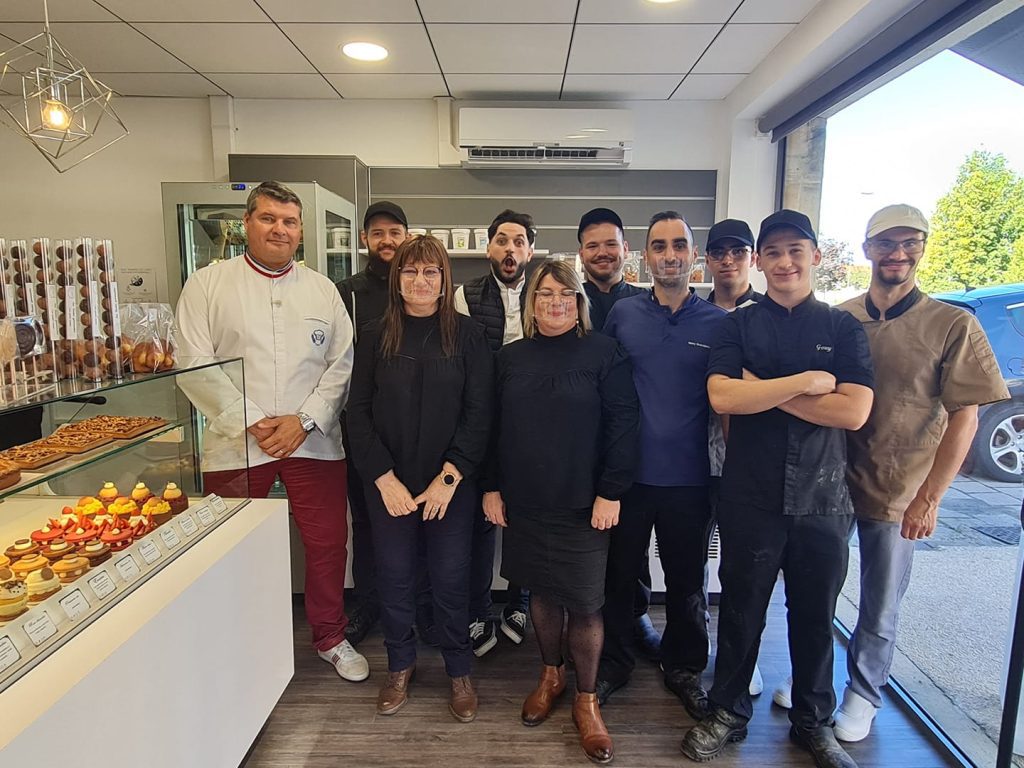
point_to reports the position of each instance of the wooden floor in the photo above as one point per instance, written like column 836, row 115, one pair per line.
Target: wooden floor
column 324, row 721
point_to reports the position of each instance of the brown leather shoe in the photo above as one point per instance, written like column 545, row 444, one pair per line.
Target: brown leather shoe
column 538, row 704
column 586, row 714
column 463, row 702
column 395, row 691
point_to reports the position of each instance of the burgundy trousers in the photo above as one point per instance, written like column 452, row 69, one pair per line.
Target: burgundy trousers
column 317, row 492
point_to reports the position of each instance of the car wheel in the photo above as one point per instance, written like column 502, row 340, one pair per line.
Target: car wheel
column 999, row 444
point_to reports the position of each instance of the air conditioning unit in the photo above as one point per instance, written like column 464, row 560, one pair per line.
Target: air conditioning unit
column 511, row 137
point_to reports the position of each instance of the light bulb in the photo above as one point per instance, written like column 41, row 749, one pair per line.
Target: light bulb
column 365, row 51
column 56, row 115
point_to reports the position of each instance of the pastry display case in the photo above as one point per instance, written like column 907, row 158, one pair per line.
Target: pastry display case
column 100, row 489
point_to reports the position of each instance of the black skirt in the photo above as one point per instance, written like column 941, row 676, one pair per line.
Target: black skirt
column 556, row 553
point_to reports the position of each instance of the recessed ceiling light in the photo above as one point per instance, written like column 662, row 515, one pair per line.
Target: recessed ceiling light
column 594, row 130
column 365, row 51
column 577, row 136
column 662, row 2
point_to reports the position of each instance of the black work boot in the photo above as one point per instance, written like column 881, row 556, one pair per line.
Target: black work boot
column 686, row 685
column 821, row 743
column 707, row 740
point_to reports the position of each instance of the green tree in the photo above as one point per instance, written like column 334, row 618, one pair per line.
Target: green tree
column 860, row 276
column 836, row 262
column 977, row 232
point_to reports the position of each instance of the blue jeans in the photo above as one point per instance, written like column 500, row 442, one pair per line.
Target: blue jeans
column 885, row 562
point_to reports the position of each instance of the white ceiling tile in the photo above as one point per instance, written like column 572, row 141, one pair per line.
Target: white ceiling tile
column 408, row 47
column 388, row 86
column 501, row 48
column 707, row 87
column 619, row 87
column 741, row 47
column 504, row 86
column 273, row 86
column 186, row 10
column 638, row 48
column 60, row 10
column 184, row 84
column 499, row 11
column 229, row 47
column 773, row 11
column 643, row 12
column 342, row 10
column 105, row 47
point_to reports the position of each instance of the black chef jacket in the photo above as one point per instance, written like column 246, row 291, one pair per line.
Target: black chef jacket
column 774, row 460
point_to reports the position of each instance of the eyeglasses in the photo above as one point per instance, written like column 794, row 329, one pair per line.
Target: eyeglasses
column 546, row 294
column 738, row 252
column 910, row 247
column 429, row 273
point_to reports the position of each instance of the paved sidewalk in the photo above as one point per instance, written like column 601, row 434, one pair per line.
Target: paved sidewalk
column 974, row 503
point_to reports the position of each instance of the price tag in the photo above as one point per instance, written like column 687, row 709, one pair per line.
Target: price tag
column 128, row 568
column 40, row 628
column 74, row 604
column 219, row 505
column 8, row 293
column 94, row 306
column 115, row 309
column 149, row 551
column 101, row 584
column 52, row 300
column 188, row 524
column 168, row 537
column 73, row 332
column 9, row 655
column 205, row 515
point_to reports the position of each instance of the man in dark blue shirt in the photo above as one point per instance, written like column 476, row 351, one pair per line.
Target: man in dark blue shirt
column 793, row 374
column 667, row 333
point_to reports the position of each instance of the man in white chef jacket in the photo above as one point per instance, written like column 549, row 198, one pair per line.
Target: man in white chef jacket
column 291, row 329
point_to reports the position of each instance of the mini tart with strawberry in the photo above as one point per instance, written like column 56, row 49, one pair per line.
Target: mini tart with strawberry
column 123, row 507
column 89, row 506
column 108, row 493
column 22, row 548
column 49, row 532
column 159, row 508
column 83, row 532
column 57, row 549
column 176, row 497
column 118, row 534
column 141, row 494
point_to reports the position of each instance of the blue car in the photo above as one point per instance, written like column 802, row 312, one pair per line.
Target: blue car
column 998, row 450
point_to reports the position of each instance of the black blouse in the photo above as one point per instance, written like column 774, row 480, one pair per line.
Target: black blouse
column 416, row 410
column 567, row 422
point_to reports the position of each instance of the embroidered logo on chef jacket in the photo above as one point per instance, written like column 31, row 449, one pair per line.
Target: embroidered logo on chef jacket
column 823, row 348
column 318, row 337
column 698, row 344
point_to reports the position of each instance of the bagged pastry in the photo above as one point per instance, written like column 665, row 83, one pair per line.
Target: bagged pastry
column 149, row 332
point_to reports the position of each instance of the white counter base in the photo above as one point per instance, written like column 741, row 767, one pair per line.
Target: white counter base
column 183, row 672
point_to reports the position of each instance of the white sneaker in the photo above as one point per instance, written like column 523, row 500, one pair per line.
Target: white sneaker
column 347, row 661
column 783, row 693
column 854, row 717
column 756, row 682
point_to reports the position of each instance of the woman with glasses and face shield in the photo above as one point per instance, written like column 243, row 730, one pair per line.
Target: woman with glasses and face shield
column 566, row 441
column 419, row 418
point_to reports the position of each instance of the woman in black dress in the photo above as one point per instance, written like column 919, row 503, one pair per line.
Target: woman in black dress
column 419, row 418
column 566, row 446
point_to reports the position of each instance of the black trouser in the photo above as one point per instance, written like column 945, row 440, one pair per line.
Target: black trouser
column 642, row 588
column 446, row 544
column 679, row 516
column 481, row 570
column 812, row 551
column 364, row 572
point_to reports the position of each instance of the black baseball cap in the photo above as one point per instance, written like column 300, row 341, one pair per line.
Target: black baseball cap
column 787, row 218
column 385, row 208
column 599, row 216
column 730, row 229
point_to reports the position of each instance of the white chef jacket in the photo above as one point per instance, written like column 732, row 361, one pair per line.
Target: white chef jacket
column 295, row 338
column 513, row 311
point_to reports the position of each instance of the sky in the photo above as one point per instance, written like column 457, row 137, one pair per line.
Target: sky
column 904, row 142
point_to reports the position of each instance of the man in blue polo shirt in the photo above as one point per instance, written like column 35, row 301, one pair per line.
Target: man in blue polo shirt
column 667, row 332
column 793, row 374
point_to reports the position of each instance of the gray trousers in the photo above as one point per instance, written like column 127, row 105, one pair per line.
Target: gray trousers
column 885, row 562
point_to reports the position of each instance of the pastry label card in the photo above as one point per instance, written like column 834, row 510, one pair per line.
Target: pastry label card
column 101, row 584
column 168, row 537
column 188, row 524
column 149, row 551
column 128, row 568
column 40, row 628
column 74, row 604
column 9, row 655
column 205, row 515
column 219, row 505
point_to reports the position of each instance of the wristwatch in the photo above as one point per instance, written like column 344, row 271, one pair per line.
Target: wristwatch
column 308, row 425
column 449, row 479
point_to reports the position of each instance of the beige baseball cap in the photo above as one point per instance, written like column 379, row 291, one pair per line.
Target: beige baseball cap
column 896, row 216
